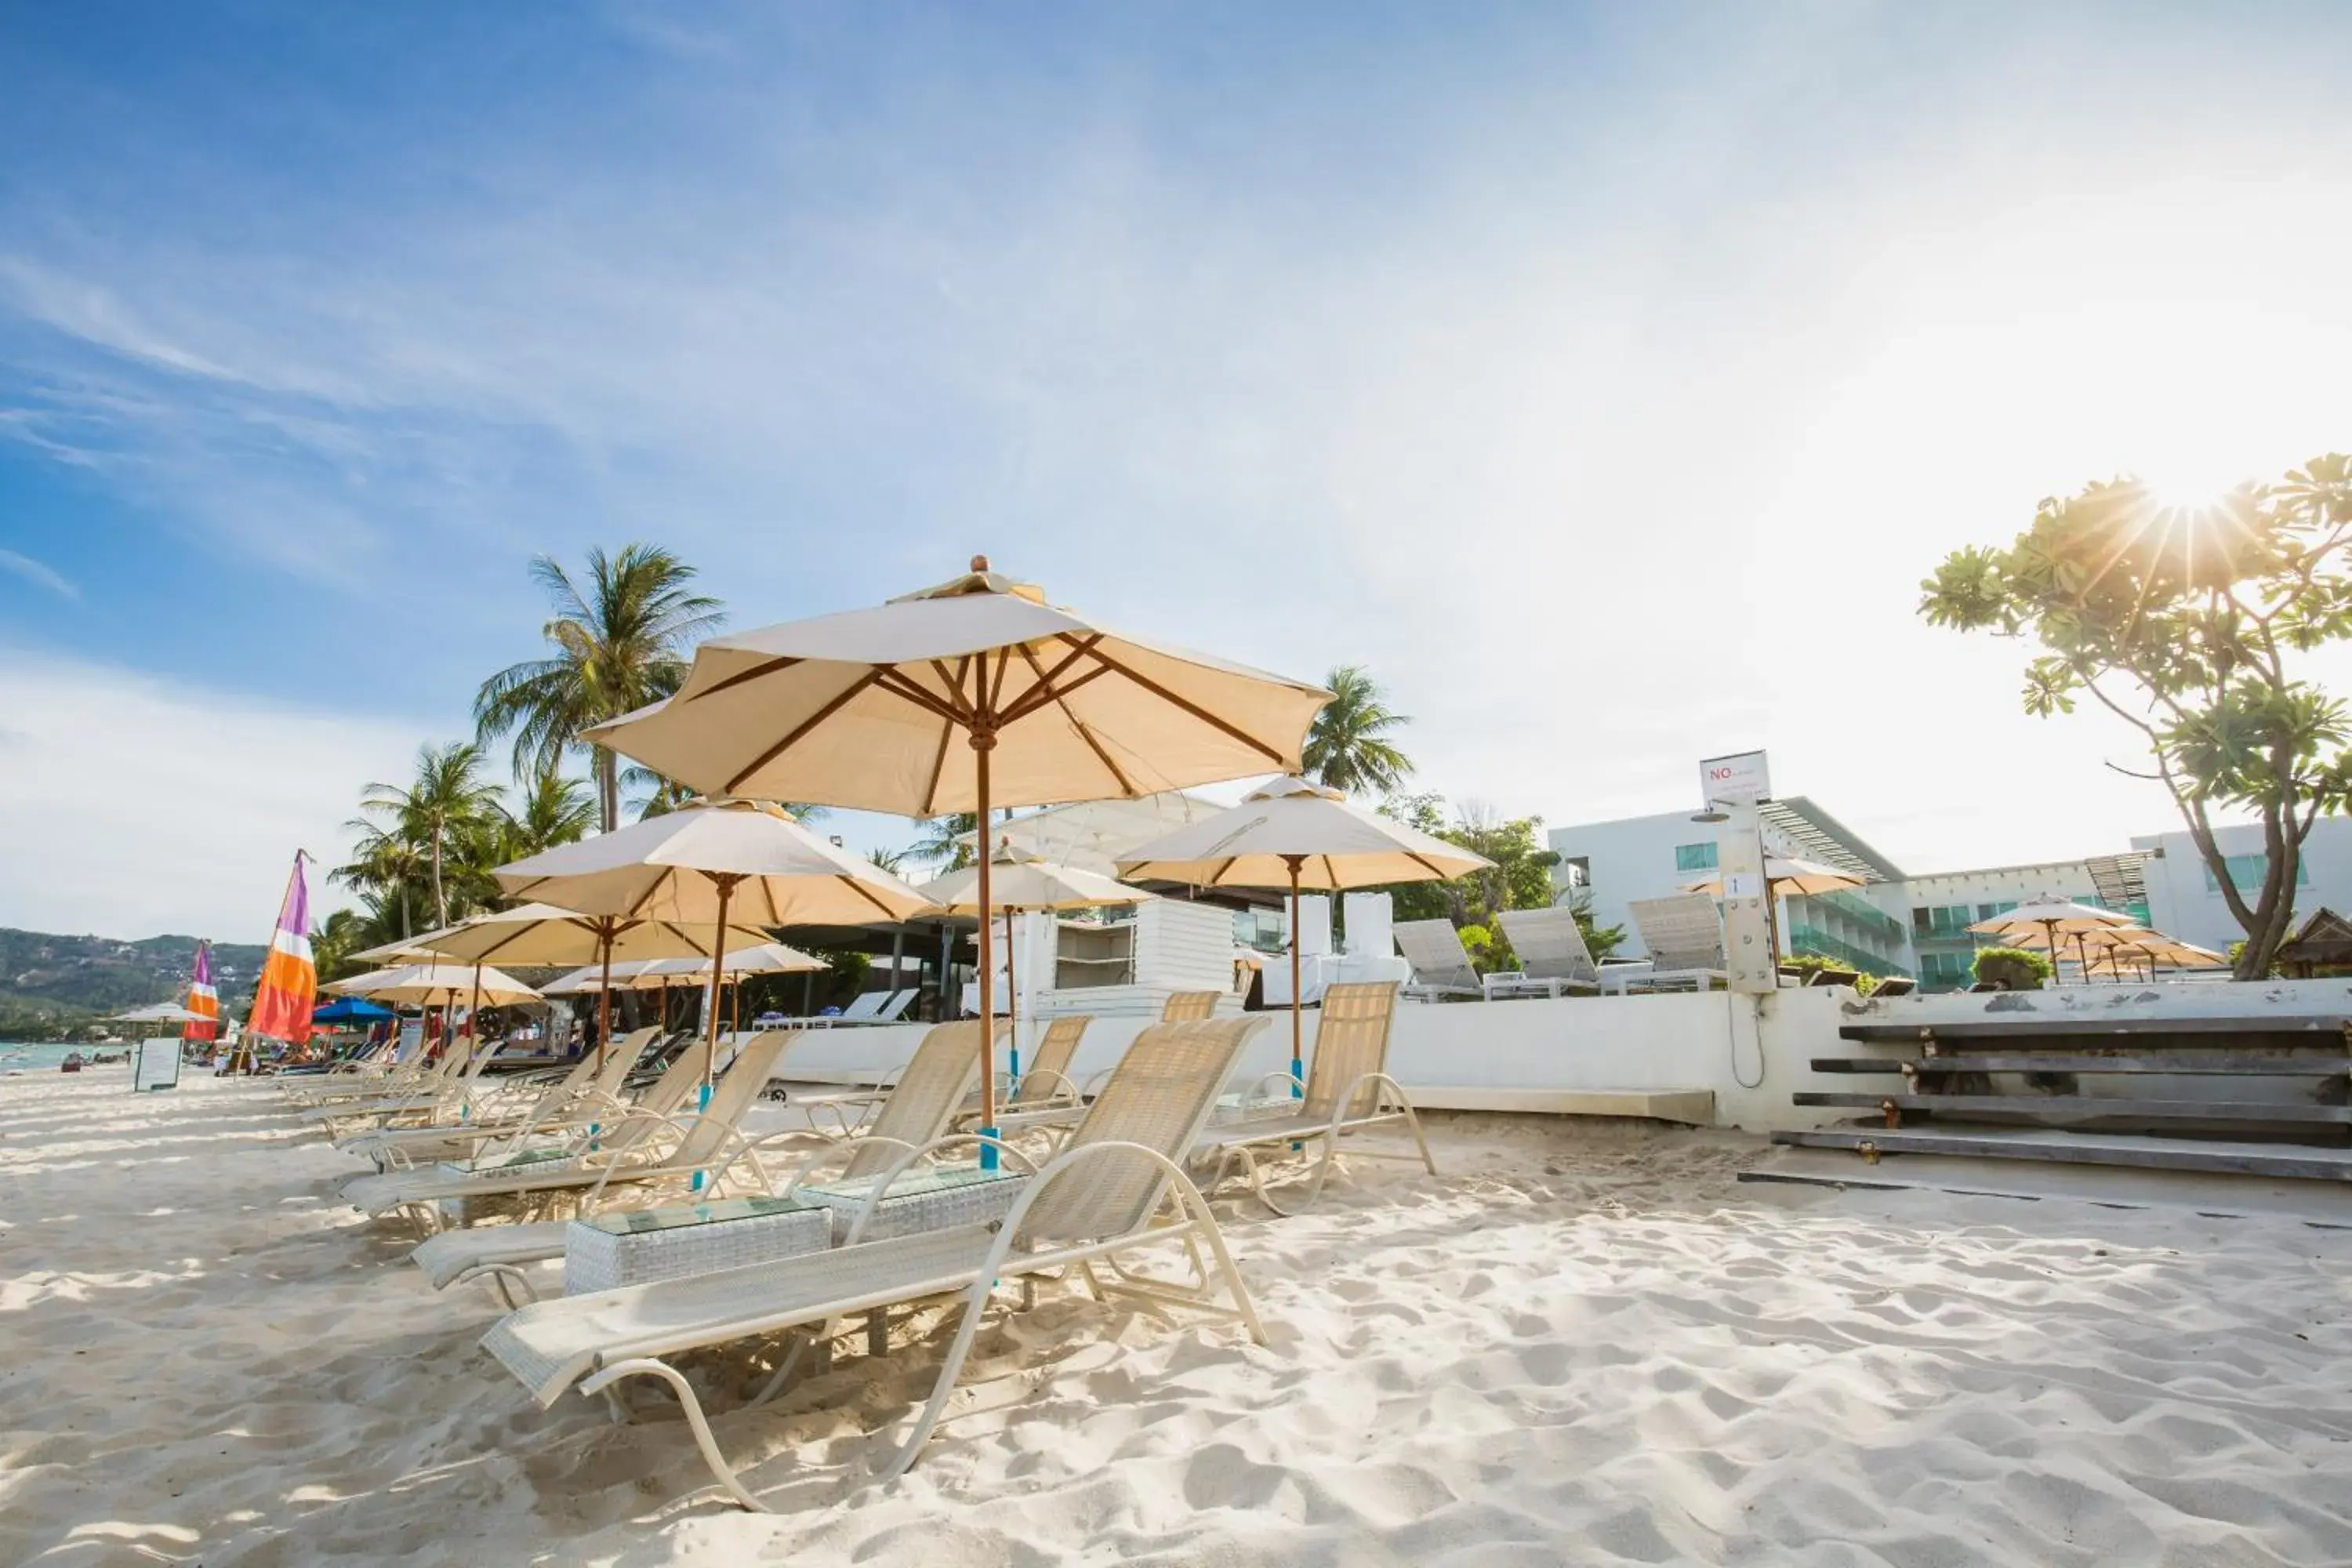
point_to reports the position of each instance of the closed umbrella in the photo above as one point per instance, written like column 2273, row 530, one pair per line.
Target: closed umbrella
column 971, row 696
column 1020, row 881
column 1300, row 836
column 712, row 864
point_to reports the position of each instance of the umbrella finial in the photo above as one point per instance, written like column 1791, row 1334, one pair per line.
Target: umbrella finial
column 979, row 562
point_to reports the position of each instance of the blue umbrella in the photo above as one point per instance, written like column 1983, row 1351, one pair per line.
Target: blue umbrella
column 352, row 1010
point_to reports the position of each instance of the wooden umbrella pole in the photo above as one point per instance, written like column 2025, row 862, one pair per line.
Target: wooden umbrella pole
column 710, row 1023
column 982, row 742
column 1298, row 1064
column 604, row 993
column 1013, row 1006
column 474, row 1016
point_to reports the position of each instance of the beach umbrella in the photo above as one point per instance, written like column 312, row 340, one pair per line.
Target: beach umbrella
column 537, row 933
column 1788, row 877
column 352, row 1010
column 407, row 949
column 160, row 1013
column 1020, row 882
column 1296, row 835
column 2051, row 919
column 973, row 695
column 711, row 864
column 436, row 985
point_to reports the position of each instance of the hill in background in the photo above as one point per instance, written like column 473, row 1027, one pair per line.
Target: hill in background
column 48, row 979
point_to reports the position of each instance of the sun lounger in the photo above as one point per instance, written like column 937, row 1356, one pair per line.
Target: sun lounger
column 654, row 1139
column 435, row 1096
column 1553, row 959
column 914, row 1114
column 1348, row 1089
column 1102, row 1197
column 584, row 1095
column 1182, row 1006
column 1895, row 985
column 1683, row 935
column 1441, row 964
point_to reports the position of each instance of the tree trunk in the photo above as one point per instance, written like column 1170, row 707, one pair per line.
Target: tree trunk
column 440, row 900
column 608, row 787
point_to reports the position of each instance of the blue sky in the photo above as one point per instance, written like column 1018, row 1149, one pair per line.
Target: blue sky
column 1605, row 377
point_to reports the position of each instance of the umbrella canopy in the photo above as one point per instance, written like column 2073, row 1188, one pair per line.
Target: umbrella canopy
column 535, row 933
column 1022, row 881
column 352, row 1010
column 1790, row 877
column 1290, row 826
column 969, row 696
column 695, row 863
column 161, row 1013
column 676, row 866
column 2050, row 916
column 407, row 949
column 653, row 974
column 436, row 985
column 1292, row 834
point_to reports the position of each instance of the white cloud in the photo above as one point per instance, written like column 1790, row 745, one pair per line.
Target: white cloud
column 39, row 573
column 130, row 807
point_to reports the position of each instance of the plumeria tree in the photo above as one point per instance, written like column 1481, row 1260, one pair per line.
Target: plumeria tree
column 2192, row 625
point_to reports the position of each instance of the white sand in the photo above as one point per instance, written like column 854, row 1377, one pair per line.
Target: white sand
column 1586, row 1343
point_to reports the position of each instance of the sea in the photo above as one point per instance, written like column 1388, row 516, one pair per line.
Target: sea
column 43, row 1057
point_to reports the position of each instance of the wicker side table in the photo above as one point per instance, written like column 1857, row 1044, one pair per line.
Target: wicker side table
column 933, row 1198
column 632, row 1247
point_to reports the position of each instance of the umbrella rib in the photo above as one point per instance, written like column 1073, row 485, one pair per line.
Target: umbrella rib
column 1029, row 701
column 1418, row 859
column 739, row 677
column 1003, row 667
column 1194, row 708
column 868, row 895
column 962, row 713
column 939, row 770
column 1078, row 649
column 1046, row 684
column 801, row 731
column 895, row 681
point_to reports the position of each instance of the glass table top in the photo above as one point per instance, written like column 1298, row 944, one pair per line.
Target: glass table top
column 679, row 1216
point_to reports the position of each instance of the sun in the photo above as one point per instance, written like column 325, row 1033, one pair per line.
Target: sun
column 2193, row 486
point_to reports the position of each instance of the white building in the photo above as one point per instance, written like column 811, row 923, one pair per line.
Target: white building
column 2184, row 897
column 1903, row 924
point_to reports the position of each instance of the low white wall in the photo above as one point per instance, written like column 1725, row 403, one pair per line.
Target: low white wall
column 1752, row 1054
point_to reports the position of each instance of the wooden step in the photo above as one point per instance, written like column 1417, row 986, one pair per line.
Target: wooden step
column 2104, row 1107
column 2221, row 1062
column 2089, row 1149
column 2017, row 1026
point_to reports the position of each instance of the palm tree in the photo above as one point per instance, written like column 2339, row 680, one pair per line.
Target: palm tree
column 1348, row 747
column 555, row 810
column 449, row 805
column 623, row 642
column 941, row 838
column 384, row 870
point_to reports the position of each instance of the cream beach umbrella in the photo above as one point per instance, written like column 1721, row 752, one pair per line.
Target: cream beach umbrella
column 1299, row 836
column 768, row 958
column 407, row 949
column 160, row 1013
column 538, row 933
column 971, row 696
column 714, row 863
column 1790, row 877
column 1019, row 882
column 2051, row 918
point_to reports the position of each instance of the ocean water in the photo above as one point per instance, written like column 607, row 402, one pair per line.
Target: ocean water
column 44, row 1055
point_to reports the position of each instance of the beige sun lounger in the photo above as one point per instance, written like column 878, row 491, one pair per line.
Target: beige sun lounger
column 574, row 1101
column 1184, row 1004
column 914, row 1114
column 1441, row 964
column 654, row 1140
column 1683, row 934
column 1102, row 1197
column 1553, row 959
column 437, row 1097
column 1348, row 1089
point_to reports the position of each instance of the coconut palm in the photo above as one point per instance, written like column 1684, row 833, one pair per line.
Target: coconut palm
column 553, row 810
column 449, row 805
column 1348, row 747
column 385, row 870
column 622, row 639
column 941, row 843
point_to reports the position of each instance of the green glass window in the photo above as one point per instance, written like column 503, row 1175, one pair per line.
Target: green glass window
column 2248, row 871
column 1694, row 856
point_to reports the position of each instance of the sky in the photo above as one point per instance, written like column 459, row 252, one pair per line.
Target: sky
column 1604, row 378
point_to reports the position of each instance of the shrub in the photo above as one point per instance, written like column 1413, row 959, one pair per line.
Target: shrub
column 2013, row 968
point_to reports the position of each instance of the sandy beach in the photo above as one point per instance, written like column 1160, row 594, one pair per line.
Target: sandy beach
column 1586, row 1343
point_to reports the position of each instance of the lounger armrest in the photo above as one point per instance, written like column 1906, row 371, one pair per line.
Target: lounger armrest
column 1067, row 1089
column 825, row 1156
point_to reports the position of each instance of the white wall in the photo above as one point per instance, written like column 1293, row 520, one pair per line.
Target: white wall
column 2180, row 904
column 1631, row 858
column 1752, row 1054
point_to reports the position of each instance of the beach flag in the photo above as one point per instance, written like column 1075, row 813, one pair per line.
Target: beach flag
column 203, row 998
column 290, row 981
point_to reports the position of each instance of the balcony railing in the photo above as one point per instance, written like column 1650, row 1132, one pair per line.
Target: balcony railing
column 1804, row 938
